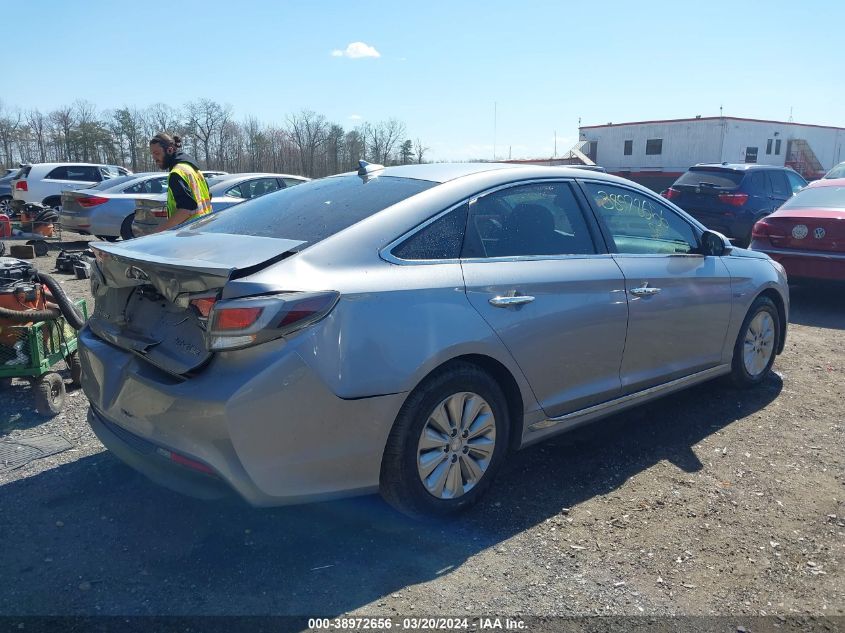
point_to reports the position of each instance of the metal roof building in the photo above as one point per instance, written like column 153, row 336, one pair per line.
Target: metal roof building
column 655, row 153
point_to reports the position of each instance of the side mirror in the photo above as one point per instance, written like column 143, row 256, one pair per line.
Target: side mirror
column 714, row 244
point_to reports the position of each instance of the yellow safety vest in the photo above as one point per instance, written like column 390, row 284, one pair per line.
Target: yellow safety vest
column 199, row 187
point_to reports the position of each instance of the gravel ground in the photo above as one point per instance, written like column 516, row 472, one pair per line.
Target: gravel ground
column 711, row 501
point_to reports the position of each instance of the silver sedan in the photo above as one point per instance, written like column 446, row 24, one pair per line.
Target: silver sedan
column 107, row 209
column 404, row 329
column 226, row 191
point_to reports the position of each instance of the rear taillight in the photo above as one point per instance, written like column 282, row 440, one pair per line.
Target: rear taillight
column 160, row 213
column 21, row 185
column 733, row 199
column 671, row 193
column 238, row 323
column 91, row 201
column 761, row 229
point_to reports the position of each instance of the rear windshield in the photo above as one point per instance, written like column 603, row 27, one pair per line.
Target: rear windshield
column 108, row 183
column 313, row 211
column 817, row 198
column 836, row 172
column 721, row 178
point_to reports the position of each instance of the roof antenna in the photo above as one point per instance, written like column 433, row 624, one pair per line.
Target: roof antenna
column 790, row 114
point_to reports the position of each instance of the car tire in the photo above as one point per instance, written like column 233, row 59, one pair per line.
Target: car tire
column 6, row 205
column 756, row 344
column 126, row 227
column 434, row 464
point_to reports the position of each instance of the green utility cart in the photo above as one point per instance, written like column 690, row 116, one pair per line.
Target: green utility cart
column 37, row 347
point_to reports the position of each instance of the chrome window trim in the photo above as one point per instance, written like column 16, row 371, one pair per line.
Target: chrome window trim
column 387, row 255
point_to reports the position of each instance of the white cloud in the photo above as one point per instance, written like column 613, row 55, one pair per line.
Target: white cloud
column 357, row 50
column 355, row 117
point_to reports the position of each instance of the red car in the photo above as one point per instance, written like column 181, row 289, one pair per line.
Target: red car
column 807, row 234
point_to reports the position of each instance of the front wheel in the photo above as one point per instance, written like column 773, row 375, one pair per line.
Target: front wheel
column 756, row 344
column 447, row 443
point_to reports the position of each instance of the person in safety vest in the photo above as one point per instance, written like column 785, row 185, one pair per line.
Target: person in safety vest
column 187, row 190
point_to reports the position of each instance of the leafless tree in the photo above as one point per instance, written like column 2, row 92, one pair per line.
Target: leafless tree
column 383, row 137
column 205, row 120
column 36, row 122
column 419, row 150
column 307, row 143
column 308, row 132
column 9, row 125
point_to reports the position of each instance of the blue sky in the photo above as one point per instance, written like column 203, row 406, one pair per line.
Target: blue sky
column 441, row 66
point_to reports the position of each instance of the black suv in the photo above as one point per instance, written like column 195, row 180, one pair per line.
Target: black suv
column 730, row 198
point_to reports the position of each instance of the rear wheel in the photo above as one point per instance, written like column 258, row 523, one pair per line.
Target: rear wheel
column 6, row 205
column 49, row 391
column 126, row 227
column 447, row 443
column 756, row 344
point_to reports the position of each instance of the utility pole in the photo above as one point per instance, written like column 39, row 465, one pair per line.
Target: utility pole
column 495, row 106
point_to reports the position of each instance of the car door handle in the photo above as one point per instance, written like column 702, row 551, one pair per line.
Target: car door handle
column 505, row 302
column 644, row 291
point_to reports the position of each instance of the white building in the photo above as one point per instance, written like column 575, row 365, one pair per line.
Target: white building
column 655, row 153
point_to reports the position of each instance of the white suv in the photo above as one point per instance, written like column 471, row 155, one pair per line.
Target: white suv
column 44, row 182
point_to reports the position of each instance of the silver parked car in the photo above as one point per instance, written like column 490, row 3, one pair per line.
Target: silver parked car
column 226, row 191
column 405, row 329
column 107, row 209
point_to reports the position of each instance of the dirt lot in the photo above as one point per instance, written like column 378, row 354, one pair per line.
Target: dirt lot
column 712, row 501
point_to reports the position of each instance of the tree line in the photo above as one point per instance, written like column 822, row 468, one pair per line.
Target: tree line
column 307, row 143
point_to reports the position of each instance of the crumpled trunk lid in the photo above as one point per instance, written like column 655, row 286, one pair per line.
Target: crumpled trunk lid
column 141, row 290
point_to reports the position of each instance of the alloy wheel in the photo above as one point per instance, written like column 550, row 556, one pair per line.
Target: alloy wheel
column 758, row 346
column 456, row 445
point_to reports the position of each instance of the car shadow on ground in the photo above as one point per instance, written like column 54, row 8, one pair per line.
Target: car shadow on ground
column 818, row 304
column 93, row 537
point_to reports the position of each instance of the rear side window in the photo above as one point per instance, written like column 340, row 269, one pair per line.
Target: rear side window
column 442, row 239
column 723, row 178
column 780, row 186
column 759, row 183
column 81, row 173
column 313, row 211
